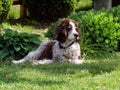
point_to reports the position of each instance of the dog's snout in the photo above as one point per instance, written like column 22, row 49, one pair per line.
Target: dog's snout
column 76, row 35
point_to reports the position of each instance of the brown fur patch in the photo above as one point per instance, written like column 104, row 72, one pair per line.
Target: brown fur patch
column 47, row 52
column 60, row 31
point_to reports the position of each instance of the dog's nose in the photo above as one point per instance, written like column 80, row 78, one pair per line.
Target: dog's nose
column 76, row 35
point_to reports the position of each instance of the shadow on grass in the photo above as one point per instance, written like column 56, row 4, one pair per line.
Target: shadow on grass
column 8, row 72
column 42, row 82
column 92, row 67
column 14, row 79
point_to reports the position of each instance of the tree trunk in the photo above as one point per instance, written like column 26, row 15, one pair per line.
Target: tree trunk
column 98, row 4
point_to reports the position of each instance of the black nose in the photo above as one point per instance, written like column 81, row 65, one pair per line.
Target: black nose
column 76, row 35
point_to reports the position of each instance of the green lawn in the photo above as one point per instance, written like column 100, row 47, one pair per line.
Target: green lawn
column 102, row 74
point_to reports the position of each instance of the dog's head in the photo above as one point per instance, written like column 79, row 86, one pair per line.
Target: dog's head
column 67, row 29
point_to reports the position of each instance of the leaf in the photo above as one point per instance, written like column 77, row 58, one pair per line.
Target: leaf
column 17, row 47
column 35, row 41
column 3, row 53
column 11, row 51
column 1, row 45
column 25, row 47
column 107, row 40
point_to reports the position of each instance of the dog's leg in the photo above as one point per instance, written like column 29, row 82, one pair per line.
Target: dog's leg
column 77, row 61
column 19, row 61
column 29, row 57
column 44, row 61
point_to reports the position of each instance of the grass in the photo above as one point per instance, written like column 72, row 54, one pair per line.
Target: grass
column 26, row 25
column 84, row 5
column 92, row 75
column 14, row 12
column 14, row 22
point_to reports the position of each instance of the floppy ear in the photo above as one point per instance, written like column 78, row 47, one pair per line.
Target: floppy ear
column 60, row 33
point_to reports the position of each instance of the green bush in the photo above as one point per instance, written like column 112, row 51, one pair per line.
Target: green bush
column 116, row 13
column 100, row 32
column 4, row 9
column 53, row 9
column 14, row 45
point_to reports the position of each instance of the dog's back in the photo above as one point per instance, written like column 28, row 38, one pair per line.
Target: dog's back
column 47, row 51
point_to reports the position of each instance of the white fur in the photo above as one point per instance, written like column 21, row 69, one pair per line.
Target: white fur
column 71, row 35
column 70, row 54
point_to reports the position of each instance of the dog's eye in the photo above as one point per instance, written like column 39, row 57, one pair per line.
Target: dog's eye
column 76, row 29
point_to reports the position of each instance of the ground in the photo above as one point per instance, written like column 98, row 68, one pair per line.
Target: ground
column 97, row 74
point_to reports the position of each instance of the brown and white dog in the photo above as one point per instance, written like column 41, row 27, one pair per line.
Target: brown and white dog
column 65, row 47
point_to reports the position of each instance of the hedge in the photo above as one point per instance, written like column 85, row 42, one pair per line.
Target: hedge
column 53, row 9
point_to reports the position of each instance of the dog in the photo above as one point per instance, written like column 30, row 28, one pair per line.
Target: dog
column 65, row 47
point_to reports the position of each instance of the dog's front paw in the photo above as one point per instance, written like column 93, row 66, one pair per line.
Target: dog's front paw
column 77, row 61
column 34, row 62
column 14, row 62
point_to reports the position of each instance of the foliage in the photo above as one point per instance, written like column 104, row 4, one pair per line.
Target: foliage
column 15, row 45
column 84, row 5
column 116, row 13
column 103, row 74
column 53, row 9
column 4, row 9
column 50, row 31
column 100, row 32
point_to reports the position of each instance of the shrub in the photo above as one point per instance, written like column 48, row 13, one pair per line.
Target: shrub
column 4, row 9
column 116, row 13
column 15, row 45
column 52, row 9
column 100, row 32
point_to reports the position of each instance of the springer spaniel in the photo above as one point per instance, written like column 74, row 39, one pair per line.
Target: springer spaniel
column 64, row 48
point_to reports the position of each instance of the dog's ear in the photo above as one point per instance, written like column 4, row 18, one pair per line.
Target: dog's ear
column 60, row 32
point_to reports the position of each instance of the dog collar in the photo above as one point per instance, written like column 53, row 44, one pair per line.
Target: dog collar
column 62, row 47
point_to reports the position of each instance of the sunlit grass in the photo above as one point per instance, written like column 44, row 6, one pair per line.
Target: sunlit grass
column 14, row 12
column 84, row 4
column 91, row 75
